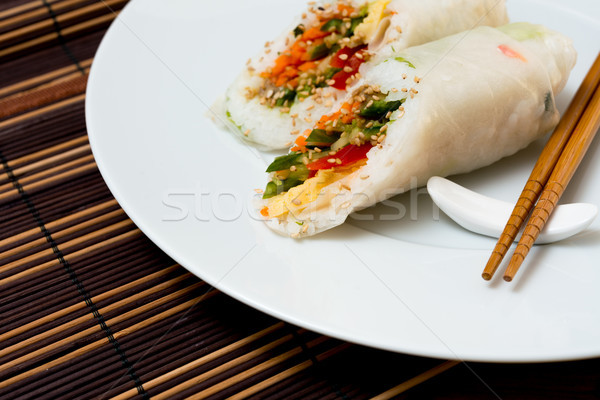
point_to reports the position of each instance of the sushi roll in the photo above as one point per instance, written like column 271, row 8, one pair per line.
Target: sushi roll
column 307, row 70
column 443, row 108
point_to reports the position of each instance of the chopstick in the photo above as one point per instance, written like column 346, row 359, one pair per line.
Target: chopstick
column 542, row 170
column 561, row 176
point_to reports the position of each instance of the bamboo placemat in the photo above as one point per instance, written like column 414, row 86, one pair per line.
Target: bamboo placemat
column 90, row 308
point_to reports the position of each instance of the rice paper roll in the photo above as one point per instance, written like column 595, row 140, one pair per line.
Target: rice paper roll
column 307, row 70
column 451, row 106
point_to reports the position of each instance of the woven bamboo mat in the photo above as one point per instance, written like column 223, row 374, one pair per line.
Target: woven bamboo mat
column 90, row 308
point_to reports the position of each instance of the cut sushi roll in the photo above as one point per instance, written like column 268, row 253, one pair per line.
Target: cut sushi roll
column 443, row 108
column 307, row 71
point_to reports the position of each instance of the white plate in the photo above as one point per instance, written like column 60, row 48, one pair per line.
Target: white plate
column 407, row 282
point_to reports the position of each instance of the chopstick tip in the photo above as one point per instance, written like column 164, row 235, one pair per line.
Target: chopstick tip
column 486, row 276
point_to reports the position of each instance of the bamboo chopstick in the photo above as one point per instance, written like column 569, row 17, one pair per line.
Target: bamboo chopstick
column 561, row 176
column 543, row 168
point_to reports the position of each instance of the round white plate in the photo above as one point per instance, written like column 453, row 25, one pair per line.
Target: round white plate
column 400, row 276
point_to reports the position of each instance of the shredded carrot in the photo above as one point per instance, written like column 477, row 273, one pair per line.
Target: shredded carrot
column 307, row 66
column 313, row 34
column 301, row 141
column 264, row 211
column 342, row 7
column 507, row 51
column 289, row 73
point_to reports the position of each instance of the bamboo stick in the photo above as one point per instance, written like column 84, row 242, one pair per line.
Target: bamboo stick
column 89, row 317
column 25, row 7
column 62, row 233
column 58, row 224
column 78, row 306
column 38, row 80
column 84, row 251
column 51, row 37
column 50, row 172
column 34, row 13
column 47, row 162
column 252, row 390
column 81, row 140
column 48, row 93
column 99, row 343
column 230, row 364
column 51, row 181
column 214, row 389
column 201, row 361
column 32, row 114
column 417, row 380
column 62, row 19
column 65, row 247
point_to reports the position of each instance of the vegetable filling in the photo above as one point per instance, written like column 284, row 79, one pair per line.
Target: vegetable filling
column 338, row 140
column 328, row 53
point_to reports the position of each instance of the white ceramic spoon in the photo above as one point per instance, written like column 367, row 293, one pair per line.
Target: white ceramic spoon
column 487, row 216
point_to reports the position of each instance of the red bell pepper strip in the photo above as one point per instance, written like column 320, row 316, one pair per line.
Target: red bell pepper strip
column 354, row 63
column 347, row 155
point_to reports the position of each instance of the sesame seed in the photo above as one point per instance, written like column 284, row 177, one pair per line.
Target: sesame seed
column 398, row 29
column 246, row 132
column 332, row 153
column 403, row 76
column 285, row 109
column 359, row 56
column 293, row 168
column 318, row 150
column 388, row 115
column 343, row 57
column 404, row 90
column 369, row 104
column 249, row 61
column 304, row 160
column 305, row 228
column 381, row 139
column 348, row 69
column 267, row 51
column 330, row 82
column 338, row 161
column 395, row 90
column 259, row 191
column 331, row 160
column 308, row 119
column 294, row 132
column 417, row 79
column 346, row 205
column 294, row 235
column 383, row 128
column 363, row 177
